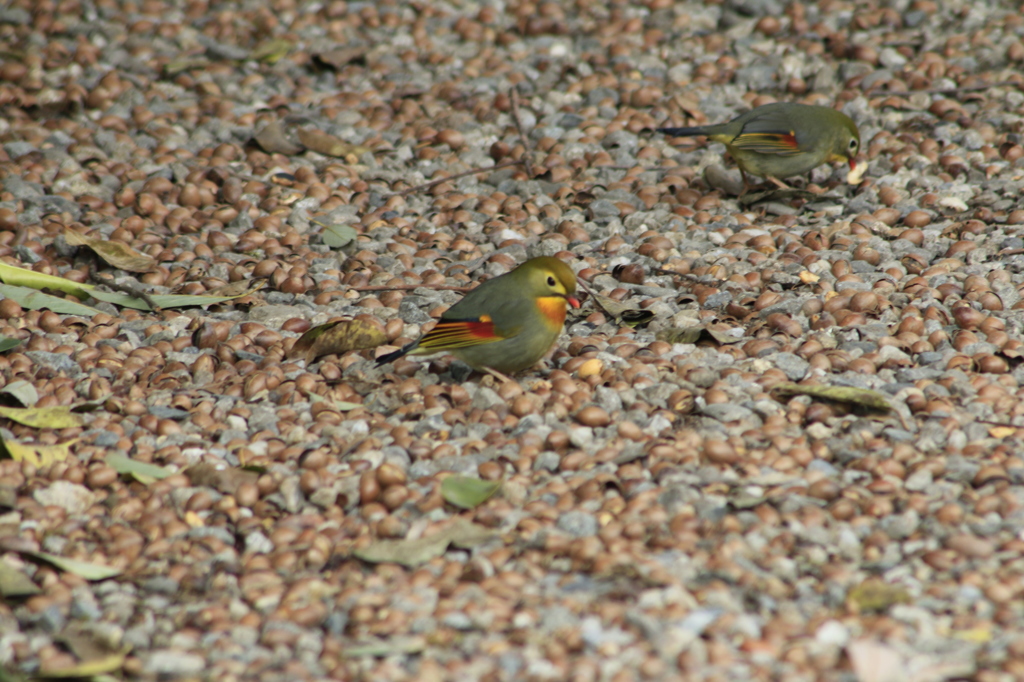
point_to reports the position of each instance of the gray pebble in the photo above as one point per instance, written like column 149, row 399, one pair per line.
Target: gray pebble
column 578, row 524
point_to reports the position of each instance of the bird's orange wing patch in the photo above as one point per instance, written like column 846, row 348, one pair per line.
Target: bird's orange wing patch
column 460, row 333
column 769, row 143
column 553, row 308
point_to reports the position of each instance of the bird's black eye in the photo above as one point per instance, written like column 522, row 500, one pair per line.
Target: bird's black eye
column 853, row 144
column 551, row 281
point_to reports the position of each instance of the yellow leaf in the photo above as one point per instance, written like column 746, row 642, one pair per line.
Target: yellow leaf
column 808, row 277
column 38, row 455
column 1002, row 431
column 329, row 145
column 977, row 635
column 91, row 668
column 43, row 417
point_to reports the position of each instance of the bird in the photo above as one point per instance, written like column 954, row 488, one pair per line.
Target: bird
column 506, row 324
column 783, row 139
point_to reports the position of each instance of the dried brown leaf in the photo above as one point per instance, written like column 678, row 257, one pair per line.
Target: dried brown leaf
column 337, row 337
column 116, row 254
column 329, row 145
column 273, row 139
column 841, row 394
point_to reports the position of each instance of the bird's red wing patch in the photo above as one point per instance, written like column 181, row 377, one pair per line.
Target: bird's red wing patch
column 769, row 143
column 461, row 333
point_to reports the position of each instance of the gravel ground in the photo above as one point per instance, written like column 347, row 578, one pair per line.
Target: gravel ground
column 667, row 509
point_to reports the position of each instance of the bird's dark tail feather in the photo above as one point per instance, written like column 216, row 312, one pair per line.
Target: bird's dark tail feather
column 682, row 132
column 394, row 355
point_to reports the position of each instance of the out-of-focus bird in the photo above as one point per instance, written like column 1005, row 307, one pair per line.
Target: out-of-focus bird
column 783, row 139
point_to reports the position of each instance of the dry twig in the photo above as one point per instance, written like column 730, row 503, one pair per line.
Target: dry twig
column 472, row 171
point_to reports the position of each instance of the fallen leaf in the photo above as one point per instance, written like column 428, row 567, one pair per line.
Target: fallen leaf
column 90, row 668
column 342, row 56
column 226, row 481
column 271, row 50
column 337, row 337
column 14, row 583
column 720, row 334
column 1001, row 431
column 862, row 397
column 242, row 287
column 60, row 417
column 37, row 300
column 467, row 492
column 21, row 277
column 273, row 139
column 38, row 455
column 329, row 145
column 336, row 236
column 119, row 255
column 627, row 314
column 163, row 300
column 341, row 405
column 176, row 66
column 22, row 391
column 80, row 568
column 143, row 472
column 7, row 343
column 874, row 595
column 411, row 553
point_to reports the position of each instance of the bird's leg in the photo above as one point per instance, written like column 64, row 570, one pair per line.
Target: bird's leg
column 779, row 183
column 746, row 182
column 496, row 374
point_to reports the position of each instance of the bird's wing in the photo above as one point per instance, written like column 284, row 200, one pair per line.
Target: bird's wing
column 769, row 133
column 448, row 334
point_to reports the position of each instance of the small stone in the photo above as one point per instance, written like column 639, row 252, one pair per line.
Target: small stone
column 71, row 497
column 173, row 663
column 578, row 524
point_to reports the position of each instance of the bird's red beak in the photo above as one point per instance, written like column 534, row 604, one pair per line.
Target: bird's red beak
column 853, row 163
column 573, row 301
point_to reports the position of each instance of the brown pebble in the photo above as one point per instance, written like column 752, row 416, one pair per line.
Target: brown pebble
column 592, row 415
column 971, row 545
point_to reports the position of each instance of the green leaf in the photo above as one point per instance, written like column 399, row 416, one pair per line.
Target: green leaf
column 143, row 472
column 80, row 568
column 467, row 492
column 412, row 553
column 336, row 236
column 162, row 300
column 31, row 279
column 14, row 583
column 7, row 343
column 36, row 300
